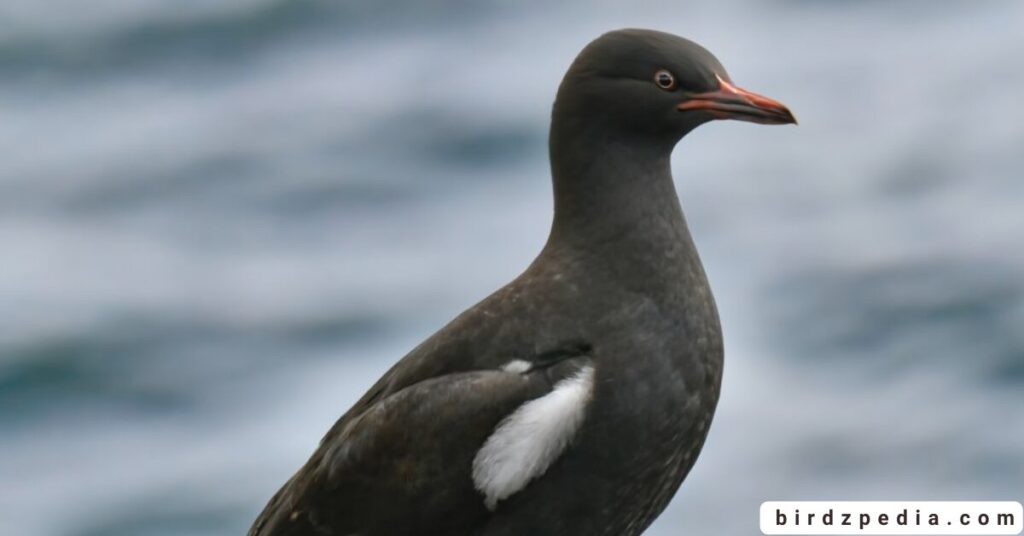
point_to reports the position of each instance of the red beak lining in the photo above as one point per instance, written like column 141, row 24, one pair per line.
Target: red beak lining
column 732, row 102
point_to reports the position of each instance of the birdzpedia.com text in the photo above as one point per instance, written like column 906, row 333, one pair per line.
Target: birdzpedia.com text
column 895, row 518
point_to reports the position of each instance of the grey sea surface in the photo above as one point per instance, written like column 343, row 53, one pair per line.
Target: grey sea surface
column 221, row 221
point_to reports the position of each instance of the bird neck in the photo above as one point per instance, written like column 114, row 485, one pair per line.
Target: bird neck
column 613, row 191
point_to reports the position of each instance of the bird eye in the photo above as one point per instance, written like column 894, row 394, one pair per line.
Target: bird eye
column 665, row 80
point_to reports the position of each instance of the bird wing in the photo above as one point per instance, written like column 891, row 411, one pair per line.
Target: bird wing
column 439, row 452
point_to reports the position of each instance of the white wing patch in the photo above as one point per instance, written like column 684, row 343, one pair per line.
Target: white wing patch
column 517, row 366
column 529, row 440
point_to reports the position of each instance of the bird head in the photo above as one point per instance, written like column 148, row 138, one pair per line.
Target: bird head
column 654, row 84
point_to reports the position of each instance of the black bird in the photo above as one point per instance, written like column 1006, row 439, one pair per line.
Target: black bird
column 575, row 399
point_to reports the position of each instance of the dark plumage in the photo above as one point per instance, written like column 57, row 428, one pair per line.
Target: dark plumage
column 615, row 313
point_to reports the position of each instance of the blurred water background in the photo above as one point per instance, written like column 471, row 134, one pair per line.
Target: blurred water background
column 221, row 220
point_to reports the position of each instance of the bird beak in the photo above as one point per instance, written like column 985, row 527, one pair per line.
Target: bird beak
column 731, row 102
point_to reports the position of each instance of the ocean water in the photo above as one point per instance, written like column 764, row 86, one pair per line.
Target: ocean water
column 220, row 221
